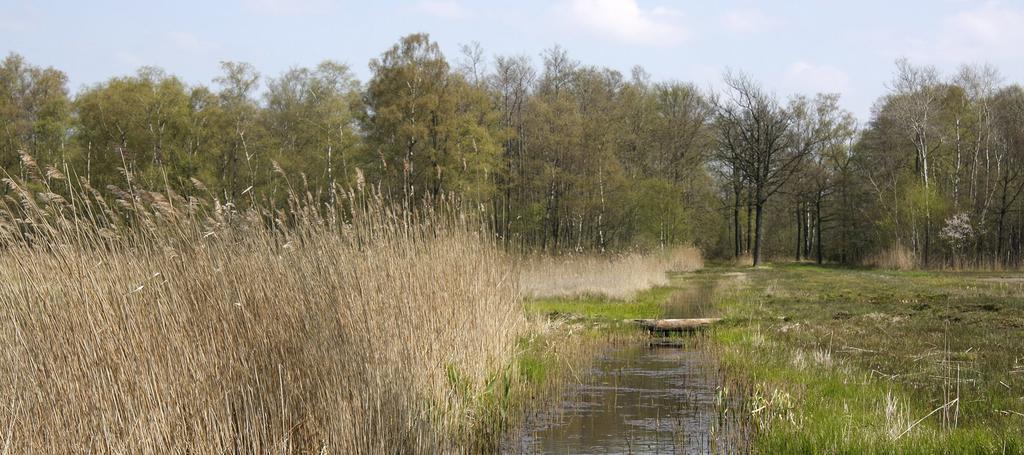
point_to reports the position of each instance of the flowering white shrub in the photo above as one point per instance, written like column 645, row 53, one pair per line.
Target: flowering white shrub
column 957, row 231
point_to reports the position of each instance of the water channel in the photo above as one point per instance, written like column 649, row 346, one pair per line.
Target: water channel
column 644, row 398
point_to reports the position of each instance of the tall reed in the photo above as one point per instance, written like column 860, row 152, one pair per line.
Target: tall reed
column 617, row 277
column 896, row 257
column 157, row 323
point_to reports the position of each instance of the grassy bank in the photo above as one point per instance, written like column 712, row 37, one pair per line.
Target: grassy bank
column 831, row 360
column 151, row 322
column 645, row 304
column 154, row 323
column 868, row 361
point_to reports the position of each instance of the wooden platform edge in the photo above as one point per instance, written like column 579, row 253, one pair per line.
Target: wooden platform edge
column 674, row 325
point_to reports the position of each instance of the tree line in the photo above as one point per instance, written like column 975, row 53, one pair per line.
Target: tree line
column 561, row 155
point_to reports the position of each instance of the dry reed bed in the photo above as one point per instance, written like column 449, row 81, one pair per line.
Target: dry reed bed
column 217, row 334
column 896, row 257
column 616, row 277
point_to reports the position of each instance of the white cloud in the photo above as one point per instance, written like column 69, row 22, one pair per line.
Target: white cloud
column 808, row 77
column 289, row 7
column 980, row 32
column 994, row 29
column 747, row 21
column 445, row 9
column 993, row 23
column 625, row 20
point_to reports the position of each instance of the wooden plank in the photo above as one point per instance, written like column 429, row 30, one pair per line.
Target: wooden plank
column 675, row 325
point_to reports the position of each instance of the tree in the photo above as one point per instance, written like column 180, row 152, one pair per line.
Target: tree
column 916, row 95
column 681, row 137
column 35, row 112
column 823, row 129
column 1009, row 140
column 423, row 127
column 135, row 126
column 510, row 87
column 754, row 132
column 236, row 161
column 309, row 125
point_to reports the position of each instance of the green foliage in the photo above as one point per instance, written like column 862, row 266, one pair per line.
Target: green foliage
column 428, row 130
column 660, row 217
column 572, row 158
column 34, row 110
column 138, row 125
column 308, row 123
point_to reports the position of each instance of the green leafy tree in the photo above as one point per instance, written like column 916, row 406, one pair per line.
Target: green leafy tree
column 35, row 112
column 136, row 125
column 427, row 130
column 309, row 123
column 237, row 154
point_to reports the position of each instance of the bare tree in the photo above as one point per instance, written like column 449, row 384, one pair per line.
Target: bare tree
column 472, row 64
column 822, row 130
column 755, row 140
column 767, row 142
column 726, row 163
column 1009, row 127
column 510, row 85
column 978, row 84
column 916, row 97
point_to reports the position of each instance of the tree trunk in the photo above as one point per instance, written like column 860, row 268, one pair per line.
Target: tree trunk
column 843, row 257
column 736, row 225
column 808, row 230
column 749, row 219
column 759, row 231
column 999, row 236
column 817, row 221
column 799, row 239
column 1019, row 248
column 927, row 233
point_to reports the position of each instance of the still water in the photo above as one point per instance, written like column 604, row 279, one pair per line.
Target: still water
column 640, row 399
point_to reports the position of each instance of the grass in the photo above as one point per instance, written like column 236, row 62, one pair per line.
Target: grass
column 834, row 360
column 869, row 361
column 155, row 323
column 618, row 277
column 152, row 322
column 646, row 304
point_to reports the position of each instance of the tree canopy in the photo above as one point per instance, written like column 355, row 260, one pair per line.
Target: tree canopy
column 560, row 155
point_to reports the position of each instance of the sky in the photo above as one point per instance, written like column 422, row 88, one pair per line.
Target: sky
column 798, row 46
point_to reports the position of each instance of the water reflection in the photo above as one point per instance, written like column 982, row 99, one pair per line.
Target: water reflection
column 694, row 299
column 645, row 399
column 639, row 400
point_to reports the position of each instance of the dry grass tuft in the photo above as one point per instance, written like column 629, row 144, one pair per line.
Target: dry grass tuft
column 156, row 323
column 896, row 257
column 745, row 260
column 616, row 277
column 685, row 259
column 897, row 418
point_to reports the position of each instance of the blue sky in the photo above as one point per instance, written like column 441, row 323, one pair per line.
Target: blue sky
column 792, row 47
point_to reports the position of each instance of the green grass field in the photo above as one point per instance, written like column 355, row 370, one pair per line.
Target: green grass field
column 835, row 360
column 646, row 304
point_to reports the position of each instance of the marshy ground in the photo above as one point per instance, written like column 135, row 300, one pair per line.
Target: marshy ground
column 835, row 360
column 215, row 334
